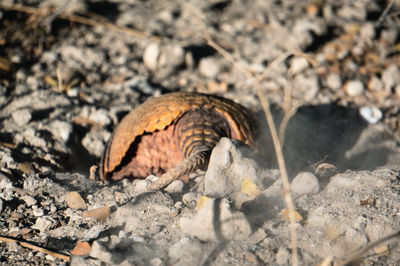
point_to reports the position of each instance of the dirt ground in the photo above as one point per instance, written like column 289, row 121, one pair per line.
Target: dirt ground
column 71, row 70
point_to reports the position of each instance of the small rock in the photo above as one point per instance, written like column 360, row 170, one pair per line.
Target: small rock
column 43, row 223
column 21, row 117
column 231, row 225
column 100, row 116
column 305, row 183
column 5, row 183
column 142, row 186
column 175, row 187
column 172, row 56
column 100, row 252
column 210, row 67
column 156, row 262
column 375, row 84
column 29, row 200
column 150, row 56
column 333, row 81
column 367, row 31
column 391, row 77
column 190, row 199
column 185, row 251
column 74, row 201
column 93, row 232
column 37, row 211
column 298, row 64
column 397, row 90
column 371, row 114
column 354, row 88
column 60, row 130
column 94, row 141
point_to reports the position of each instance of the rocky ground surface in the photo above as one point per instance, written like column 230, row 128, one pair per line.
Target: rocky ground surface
column 70, row 72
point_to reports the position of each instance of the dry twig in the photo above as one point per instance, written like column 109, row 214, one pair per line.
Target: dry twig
column 34, row 247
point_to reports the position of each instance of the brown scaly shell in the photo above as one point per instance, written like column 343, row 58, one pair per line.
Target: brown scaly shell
column 165, row 131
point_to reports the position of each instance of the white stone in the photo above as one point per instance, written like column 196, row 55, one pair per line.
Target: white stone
column 391, row 77
column 190, row 199
column 371, row 114
column 29, row 200
column 375, row 84
column 175, row 187
column 43, row 223
column 60, row 130
column 298, row 64
column 209, row 67
column 333, row 81
column 305, row 183
column 21, row 117
column 38, row 211
column 354, row 88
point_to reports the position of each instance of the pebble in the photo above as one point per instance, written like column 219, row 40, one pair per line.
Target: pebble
column 333, row 81
column 209, row 67
column 43, row 223
column 29, row 200
column 175, row 187
column 354, row 88
column 371, row 114
column 142, row 186
column 61, row 130
column 37, row 211
column 172, row 56
column 298, row 64
column 305, row 183
column 156, row 262
column 397, row 90
column 21, row 117
column 5, row 182
column 94, row 141
column 74, row 200
column 190, row 199
column 391, row 77
column 375, row 84
column 100, row 116
column 367, row 31
column 232, row 225
column 150, row 56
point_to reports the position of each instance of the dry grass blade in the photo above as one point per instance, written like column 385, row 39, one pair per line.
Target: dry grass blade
column 34, row 247
column 86, row 21
column 274, row 134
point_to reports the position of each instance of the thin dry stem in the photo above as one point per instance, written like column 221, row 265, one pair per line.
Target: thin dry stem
column 34, row 247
